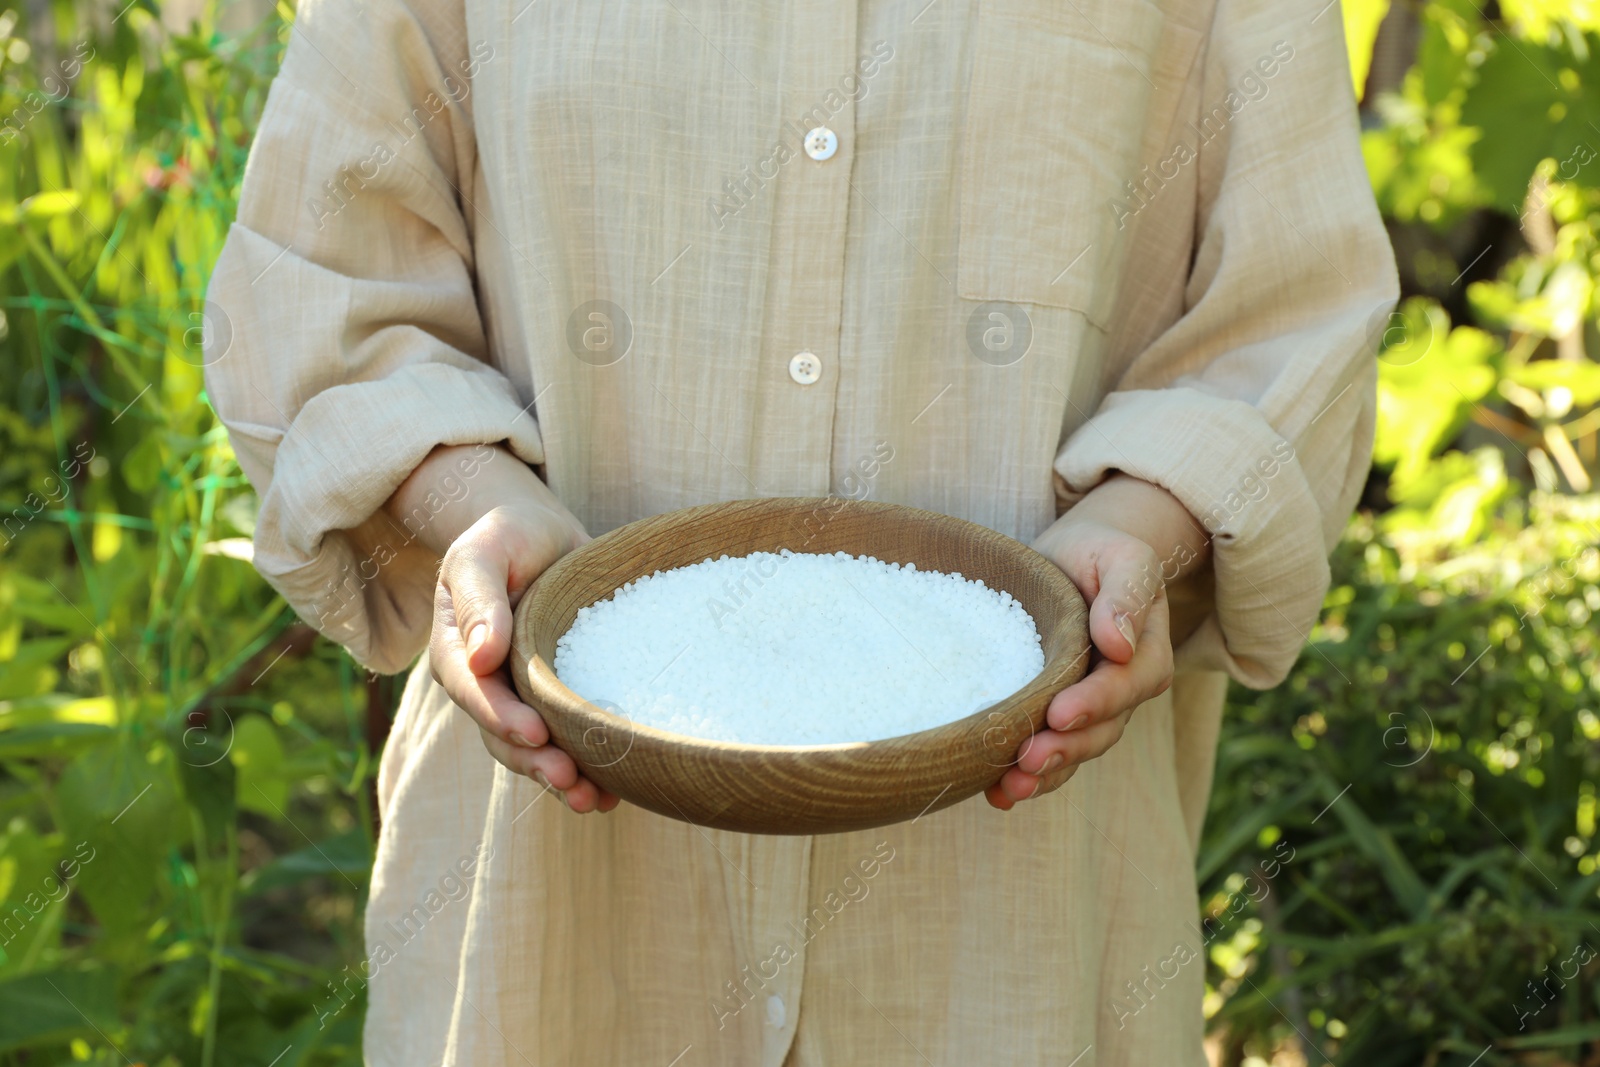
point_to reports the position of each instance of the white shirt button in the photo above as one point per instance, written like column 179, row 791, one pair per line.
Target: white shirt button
column 821, row 143
column 775, row 1012
column 805, row 368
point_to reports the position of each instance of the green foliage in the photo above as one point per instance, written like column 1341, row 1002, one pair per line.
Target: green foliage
column 1531, row 103
column 1420, row 157
column 1430, row 376
column 1431, row 765
column 1361, row 21
column 185, row 827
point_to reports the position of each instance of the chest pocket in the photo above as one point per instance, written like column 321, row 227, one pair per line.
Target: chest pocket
column 1068, row 101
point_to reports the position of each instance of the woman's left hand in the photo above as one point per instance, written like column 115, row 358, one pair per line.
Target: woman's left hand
column 1123, row 579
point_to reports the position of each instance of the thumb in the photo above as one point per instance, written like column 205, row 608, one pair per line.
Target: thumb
column 475, row 574
column 1130, row 583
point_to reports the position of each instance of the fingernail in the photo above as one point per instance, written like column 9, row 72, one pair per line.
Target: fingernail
column 1053, row 764
column 1125, row 628
column 517, row 739
column 1083, row 717
column 476, row 636
column 539, row 777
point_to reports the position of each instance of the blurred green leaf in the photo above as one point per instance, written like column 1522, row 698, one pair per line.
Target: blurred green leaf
column 53, row 739
column 30, row 671
column 1452, row 501
column 142, row 465
column 1572, row 1035
column 1531, row 103
column 257, row 756
column 49, row 205
column 1380, row 847
column 207, row 775
column 53, row 1006
column 124, row 805
column 1580, row 380
column 345, row 856
column 1428, row 379
column 30, row 895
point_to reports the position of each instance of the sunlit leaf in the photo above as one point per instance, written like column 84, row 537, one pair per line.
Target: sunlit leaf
column 1549, row 21
column 1361, row 21
column 1581, row 380
column 49, row 205
column 1428, row 379
column 1531, row 103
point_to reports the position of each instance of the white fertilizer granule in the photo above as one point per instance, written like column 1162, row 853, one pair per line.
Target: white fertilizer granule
column 799, row 649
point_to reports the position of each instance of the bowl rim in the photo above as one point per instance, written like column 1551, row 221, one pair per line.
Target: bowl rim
column 541, row 677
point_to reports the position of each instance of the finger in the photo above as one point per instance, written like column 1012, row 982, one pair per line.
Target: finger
column 489, row 699
column 1102, row 693
column 553, row 769
column 1130, row 583
column 1076, row 751
column 1016, row 785
column 997, row 798
column 1052, row 750
column 1111, row 687
column 583, row 797
column 1050, row 783
column 558, row 769
column 587, row 796
column 473, row 580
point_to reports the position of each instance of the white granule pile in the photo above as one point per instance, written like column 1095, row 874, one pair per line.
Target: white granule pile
column 799, row 649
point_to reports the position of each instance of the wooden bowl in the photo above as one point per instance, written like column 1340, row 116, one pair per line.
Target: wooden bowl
column 770, row 789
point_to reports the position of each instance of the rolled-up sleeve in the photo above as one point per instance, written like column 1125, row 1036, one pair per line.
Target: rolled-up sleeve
column 345, row 340
column 1256, row 407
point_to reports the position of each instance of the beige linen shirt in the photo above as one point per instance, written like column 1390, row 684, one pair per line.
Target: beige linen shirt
column 1046, row 240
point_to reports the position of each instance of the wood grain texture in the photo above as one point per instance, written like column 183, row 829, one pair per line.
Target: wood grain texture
column 796, row 790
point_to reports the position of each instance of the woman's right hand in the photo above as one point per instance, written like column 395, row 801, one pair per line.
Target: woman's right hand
column 497, row 526
column 485, row 573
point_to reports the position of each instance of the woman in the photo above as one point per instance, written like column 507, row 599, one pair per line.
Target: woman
column 1100, row 275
